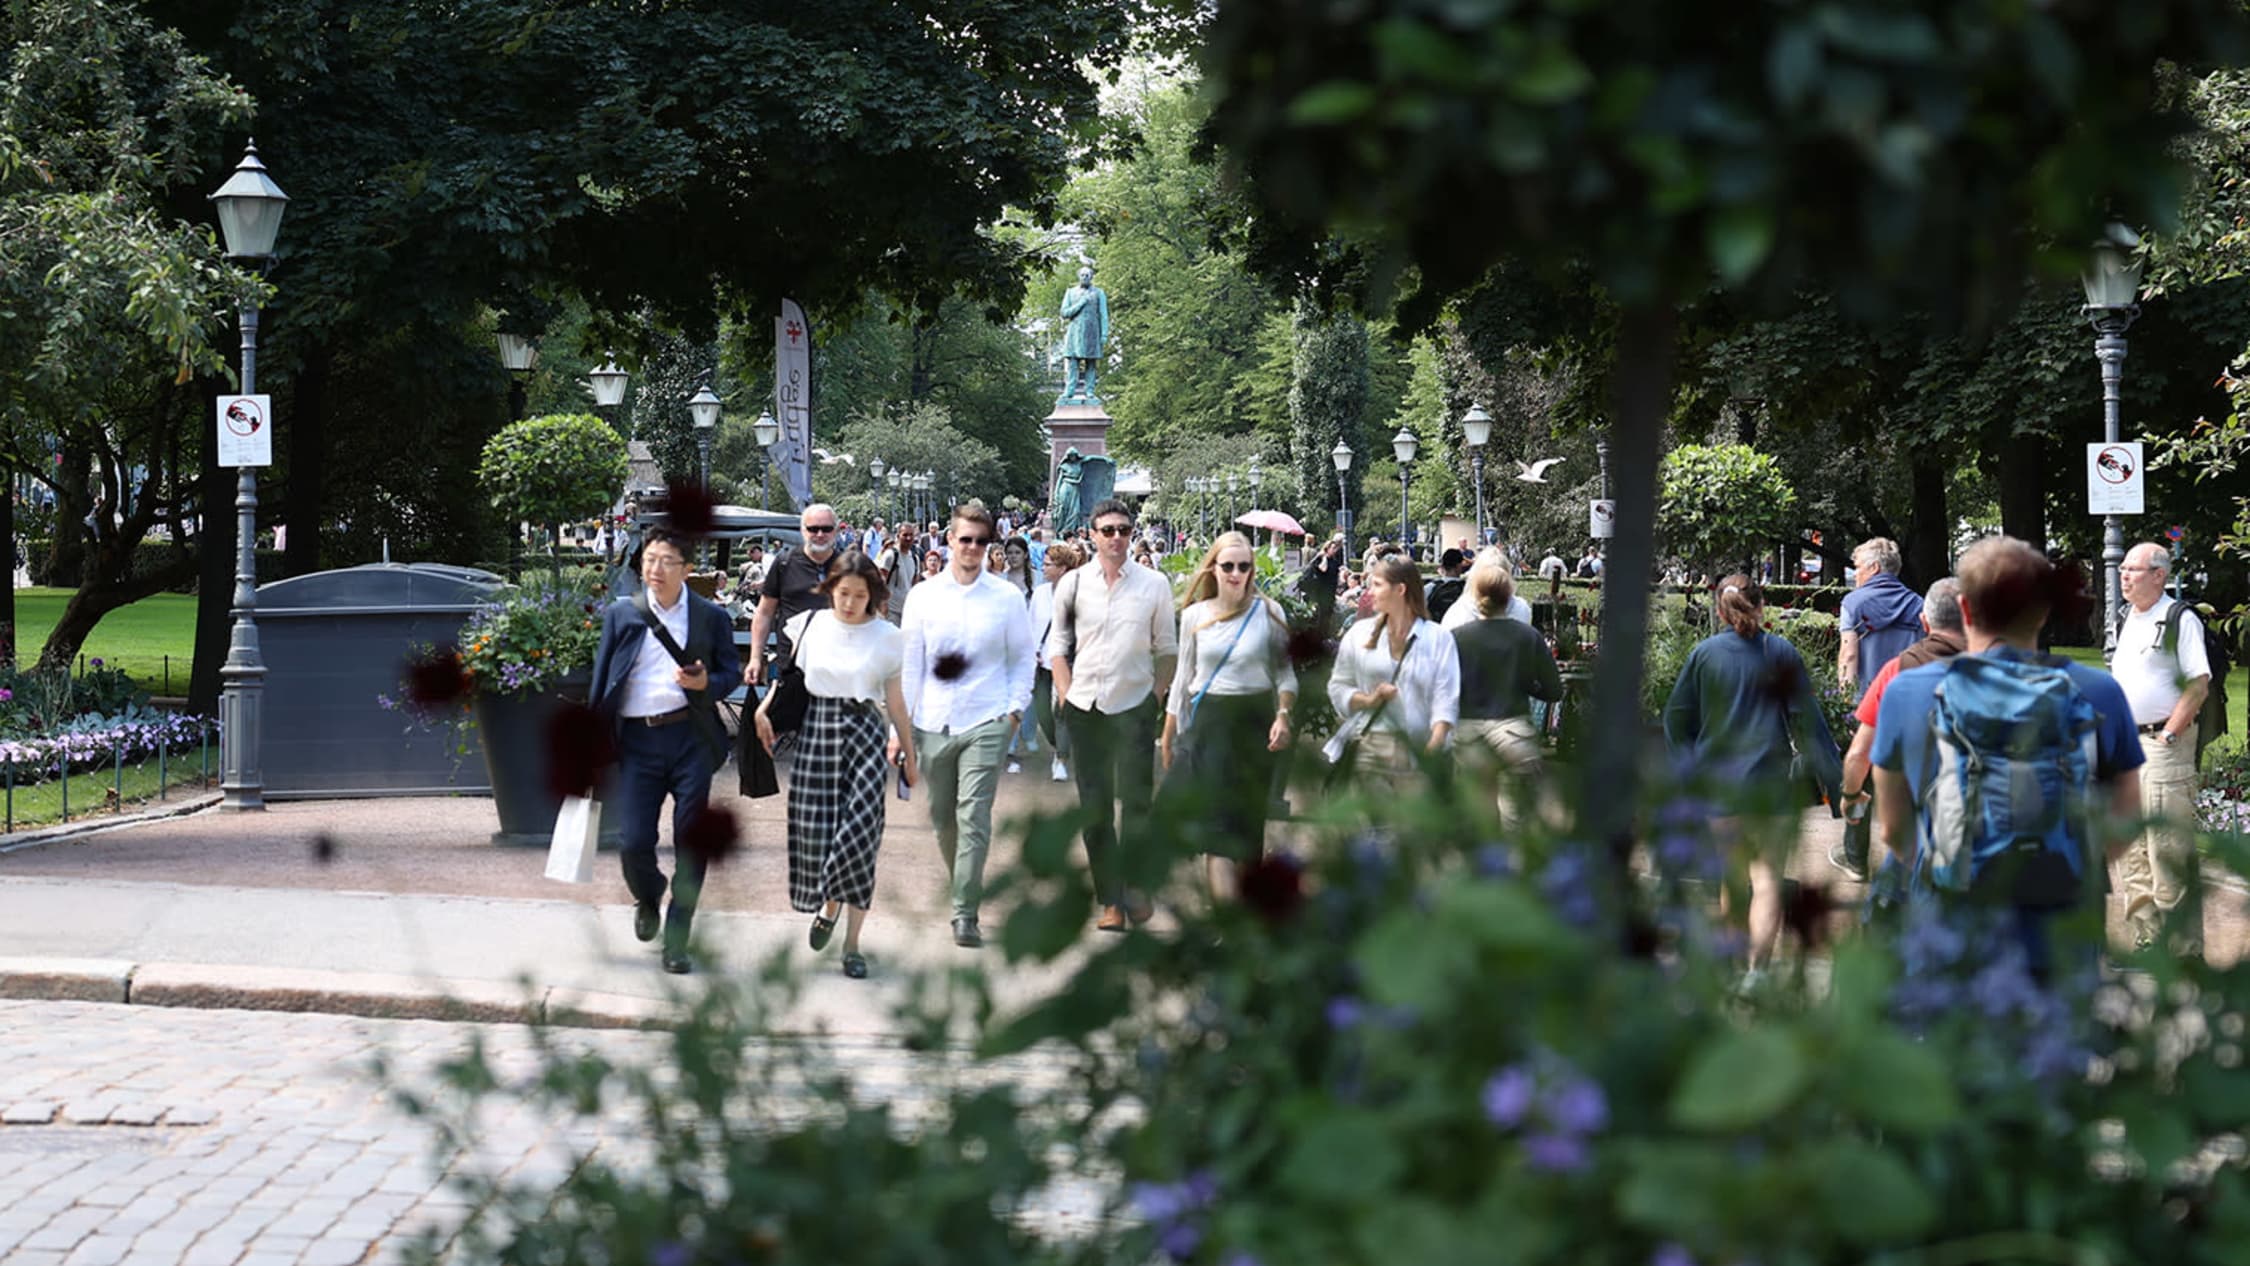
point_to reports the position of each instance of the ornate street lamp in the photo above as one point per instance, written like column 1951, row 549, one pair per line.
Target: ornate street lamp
column 1476, row 430
column 703, row 409
column 608, row 383
column 899, row 510
column 1234, row 485
column 519, row 354
column 249, row 206
column 875, row 469
column 1341, row 455
column 768, row 433
column 2113, row 286
column 1404, row 446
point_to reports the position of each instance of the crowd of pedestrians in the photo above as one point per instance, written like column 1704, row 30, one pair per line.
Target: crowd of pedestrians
column 940, row 655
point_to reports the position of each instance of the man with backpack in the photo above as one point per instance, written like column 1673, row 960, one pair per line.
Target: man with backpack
column 2161, row 661
column 1998, row 771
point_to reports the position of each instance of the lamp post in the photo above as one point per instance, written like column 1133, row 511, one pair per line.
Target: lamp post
column 768, row 433
column 875, row 469
column 896, row 506
column 1234, row 485
column 1476, row 430
column 1404, row 446
column 1202, row 486
column 520, row 354
column 703, row 409
column 2113, row 284
column 1255, row 476
column 608, row 383
column 1341, row 456
column 250, row 206
column 922, row 495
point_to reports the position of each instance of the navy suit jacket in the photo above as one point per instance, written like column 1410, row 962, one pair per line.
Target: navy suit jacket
column 710, row 639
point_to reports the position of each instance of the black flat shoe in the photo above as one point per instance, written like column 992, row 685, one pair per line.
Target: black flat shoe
column 855, row 966
column 822, row 928
column 645, row 920
column 676, row 961
column 965, row 934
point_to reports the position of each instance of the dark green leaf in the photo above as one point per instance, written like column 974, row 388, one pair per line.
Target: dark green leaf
column 1868, row 1194
column 1740, row 1079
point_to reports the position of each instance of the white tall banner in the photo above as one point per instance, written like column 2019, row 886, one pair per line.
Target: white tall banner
column 792, row 401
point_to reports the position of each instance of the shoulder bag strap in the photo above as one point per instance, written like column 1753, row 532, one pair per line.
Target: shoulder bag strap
column 1216, row 669
column 1396, row 669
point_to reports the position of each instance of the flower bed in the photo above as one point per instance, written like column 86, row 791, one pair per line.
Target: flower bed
column 97, row 741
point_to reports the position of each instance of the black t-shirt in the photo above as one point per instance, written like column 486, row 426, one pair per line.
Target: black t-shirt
column 1444, row 592
column 1505, row 664
column 792, row 578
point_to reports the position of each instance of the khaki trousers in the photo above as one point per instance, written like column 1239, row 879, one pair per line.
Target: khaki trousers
column 2156, row 872
column 1512, row 747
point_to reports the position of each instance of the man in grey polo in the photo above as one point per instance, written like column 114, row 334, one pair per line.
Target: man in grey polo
column 967, row 678
column 1113, row 646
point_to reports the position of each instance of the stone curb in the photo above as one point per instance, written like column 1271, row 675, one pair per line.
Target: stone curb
column 95, row 826
column 218, row 986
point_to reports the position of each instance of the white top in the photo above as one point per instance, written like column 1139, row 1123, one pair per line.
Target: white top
column 987, row 627
column 1258, row 664
column 847, row 661
column 1429, row 682
column 1464, row 611
column 1122, row 628
column 2151, row 678
column 1042, row 619
column 653, row 689
column 1552, row 566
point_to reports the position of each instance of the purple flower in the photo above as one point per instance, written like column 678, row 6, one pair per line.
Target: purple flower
column 1200, row 1189
column 97, row 663
column 1671, row 1255
column 1508, row 1096
column 1557, row 1153
column 1244, row 1259
column 1179, row 1240
column 1578, row 1107
column 671, row 1253
column 1345, row 1012
column 1158, row 1201
column 6, row 694
column 1493, row 861
column 1567, row 884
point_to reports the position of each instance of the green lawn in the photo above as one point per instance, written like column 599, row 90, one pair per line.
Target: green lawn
column 2238, row 694
column 95, row 791
column 153, row 639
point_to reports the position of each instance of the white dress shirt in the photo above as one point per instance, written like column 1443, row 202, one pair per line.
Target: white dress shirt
column 1122, row 629
column 653, row 688
column 988, row 626
column 2152, row 679
column 1429, row 681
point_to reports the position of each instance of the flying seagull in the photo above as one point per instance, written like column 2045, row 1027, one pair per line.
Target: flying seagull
column 829, row 459
column 1535, row 472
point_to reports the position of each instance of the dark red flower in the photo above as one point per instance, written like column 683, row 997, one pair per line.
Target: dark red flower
column 1308, row 647
column 1273, row 886
column 323, row 848
column 1806, row 910
column 713, row 835
column 437, row 680
column 579, row 747
column 688, row 508
column 950, row 666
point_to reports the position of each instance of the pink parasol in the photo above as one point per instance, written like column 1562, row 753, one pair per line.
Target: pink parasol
column 1271, row 521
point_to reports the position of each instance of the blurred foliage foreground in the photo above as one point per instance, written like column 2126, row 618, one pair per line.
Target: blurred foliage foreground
column 1426, row 1039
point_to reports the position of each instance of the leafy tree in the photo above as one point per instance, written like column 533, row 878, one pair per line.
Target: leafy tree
column 1327, row 403
column 554, row 469
column 1718, row 505
column 916, row 437
column 1880, row 151
column 109, row 306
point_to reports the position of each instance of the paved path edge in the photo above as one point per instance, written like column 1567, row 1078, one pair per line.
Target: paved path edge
column 95, row 826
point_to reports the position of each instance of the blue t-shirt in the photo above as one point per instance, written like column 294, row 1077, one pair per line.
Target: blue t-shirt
column 1886, row 617
column 1902, row 727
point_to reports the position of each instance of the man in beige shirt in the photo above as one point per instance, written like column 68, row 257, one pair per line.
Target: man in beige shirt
column 1112, row 648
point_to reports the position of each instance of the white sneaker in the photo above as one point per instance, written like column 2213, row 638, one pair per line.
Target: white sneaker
column 1015, row 766
column 1059, row 772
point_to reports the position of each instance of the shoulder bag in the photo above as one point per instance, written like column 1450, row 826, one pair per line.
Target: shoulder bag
column 1342, row 749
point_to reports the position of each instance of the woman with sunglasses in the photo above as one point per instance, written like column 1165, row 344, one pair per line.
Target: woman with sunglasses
column 1229, row 709
column 1061, row 560
column 1397, row 683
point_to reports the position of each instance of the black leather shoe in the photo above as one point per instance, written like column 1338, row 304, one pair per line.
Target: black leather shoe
column 676, row 961
column 645, row 920
column 965, row 933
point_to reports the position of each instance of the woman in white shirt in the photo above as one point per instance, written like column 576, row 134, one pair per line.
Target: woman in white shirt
column 1397, row 682
column 1229, row 709
column 1061, row 561
column 851, row 660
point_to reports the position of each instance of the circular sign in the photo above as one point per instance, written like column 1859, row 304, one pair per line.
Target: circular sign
column 2175, row 532
column 2114, row 465
column 243, row 418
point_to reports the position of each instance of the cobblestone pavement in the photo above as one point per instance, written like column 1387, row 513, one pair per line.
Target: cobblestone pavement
column 149, row 1136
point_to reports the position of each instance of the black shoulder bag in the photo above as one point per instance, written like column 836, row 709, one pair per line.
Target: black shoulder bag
column 705, row 719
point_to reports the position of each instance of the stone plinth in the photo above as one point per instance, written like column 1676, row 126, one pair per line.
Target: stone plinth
column 1084, row 427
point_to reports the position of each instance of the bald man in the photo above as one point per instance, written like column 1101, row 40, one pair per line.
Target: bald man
column 792, row 582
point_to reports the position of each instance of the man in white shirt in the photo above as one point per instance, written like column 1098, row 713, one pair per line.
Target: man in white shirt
column 967, row 678
column 1552, row 567
column 1465, row 610
column 2165, row 681
column 1113, row 646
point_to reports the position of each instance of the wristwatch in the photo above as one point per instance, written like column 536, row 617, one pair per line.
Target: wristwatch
column 2168, row 737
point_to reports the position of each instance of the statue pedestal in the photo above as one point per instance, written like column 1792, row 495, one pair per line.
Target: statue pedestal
column 1084, row 427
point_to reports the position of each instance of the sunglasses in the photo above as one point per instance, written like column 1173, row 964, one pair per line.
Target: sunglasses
column 1232, row 568
column 978, row 542
column 1115, row 529
column 820, row 528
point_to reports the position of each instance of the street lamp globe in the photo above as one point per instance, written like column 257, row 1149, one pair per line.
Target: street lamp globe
column 703, row 406
column 1404, row 446
column 894, row 479
column 1255, row 474
column 1234, row 483
column 876, row 468
column 2113, row 275
column 519, row 352
column 1476, row 426
column 765, row 428
column 250, row 206
column 608, row 383
column 1342, row 456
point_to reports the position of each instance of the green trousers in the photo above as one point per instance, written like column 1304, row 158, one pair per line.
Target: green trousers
column 961, row 774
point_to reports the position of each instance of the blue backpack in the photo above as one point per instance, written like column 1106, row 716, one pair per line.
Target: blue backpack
column 2014, row 747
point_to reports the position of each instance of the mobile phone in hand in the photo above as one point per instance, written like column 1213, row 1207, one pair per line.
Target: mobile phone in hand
column 905, row 785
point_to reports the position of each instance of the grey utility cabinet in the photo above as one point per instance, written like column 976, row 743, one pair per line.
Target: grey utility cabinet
column 333, row 642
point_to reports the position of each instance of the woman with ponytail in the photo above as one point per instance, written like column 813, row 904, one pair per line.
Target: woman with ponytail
column 1397, row 683
column 1741, row 710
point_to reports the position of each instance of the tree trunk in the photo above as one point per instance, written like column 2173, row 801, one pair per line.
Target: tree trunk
column 308, row 463
column 2023, row 493
column 8, row 555
column 1929, row 528
column 105, row 591
column 214, row 593
column 1641, row 385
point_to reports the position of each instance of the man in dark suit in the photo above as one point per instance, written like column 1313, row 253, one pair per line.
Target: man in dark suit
column 669, row 738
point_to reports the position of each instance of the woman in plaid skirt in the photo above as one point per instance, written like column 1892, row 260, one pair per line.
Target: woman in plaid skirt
column 851, row 661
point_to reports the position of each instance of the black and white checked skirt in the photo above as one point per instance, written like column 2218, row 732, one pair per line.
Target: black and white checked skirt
column 836, row 805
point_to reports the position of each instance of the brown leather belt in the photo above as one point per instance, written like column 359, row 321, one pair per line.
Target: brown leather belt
column 661, row 718
column 2153, row 727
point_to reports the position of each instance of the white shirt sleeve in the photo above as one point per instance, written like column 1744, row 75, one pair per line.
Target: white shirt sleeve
column 1445, row 682
column 1023, row 657
column 912, row 652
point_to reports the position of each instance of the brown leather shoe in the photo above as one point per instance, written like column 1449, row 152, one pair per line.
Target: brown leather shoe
column 1112, row 920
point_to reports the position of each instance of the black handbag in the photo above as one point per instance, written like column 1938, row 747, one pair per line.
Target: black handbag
column 787, row 699
column 755, row 764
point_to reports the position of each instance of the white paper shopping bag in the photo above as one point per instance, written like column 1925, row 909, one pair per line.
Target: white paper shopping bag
column 578, row 829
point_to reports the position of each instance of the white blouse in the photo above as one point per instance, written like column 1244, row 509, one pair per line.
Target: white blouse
column 1429, row 680
column 847, row 661
column 1258, row 664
